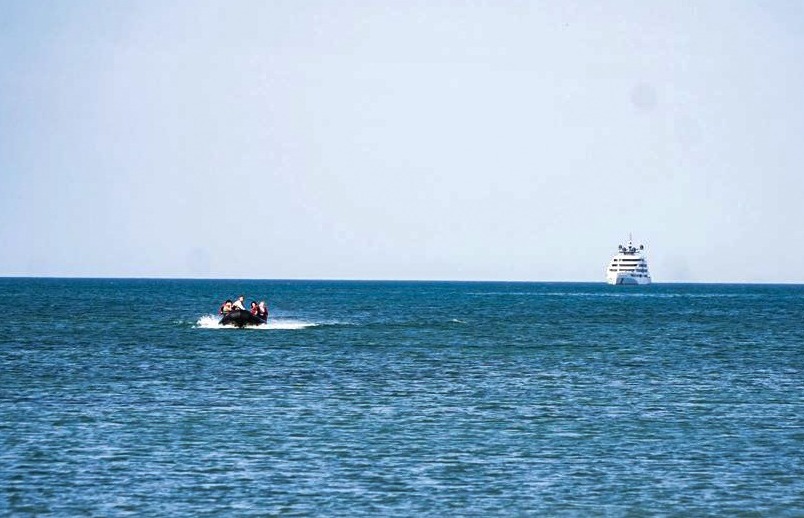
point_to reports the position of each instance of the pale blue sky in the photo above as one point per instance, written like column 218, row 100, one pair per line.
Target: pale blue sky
column 506, row 140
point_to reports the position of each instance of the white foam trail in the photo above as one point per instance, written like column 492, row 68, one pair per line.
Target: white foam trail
column 211, row 322
column 287, row 324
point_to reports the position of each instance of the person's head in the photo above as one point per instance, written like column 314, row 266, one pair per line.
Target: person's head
column 253, row 304
column 241, row 298
column 262, row 303
column 228, row 301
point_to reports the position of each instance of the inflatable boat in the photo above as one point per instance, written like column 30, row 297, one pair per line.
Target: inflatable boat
column 240, row 318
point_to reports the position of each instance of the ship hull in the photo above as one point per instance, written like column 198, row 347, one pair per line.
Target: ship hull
column 626, row 279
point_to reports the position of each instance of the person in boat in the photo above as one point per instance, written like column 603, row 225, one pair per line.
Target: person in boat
column 255, row 310
column 238, row 304
column 262, row 311
column 226, row 307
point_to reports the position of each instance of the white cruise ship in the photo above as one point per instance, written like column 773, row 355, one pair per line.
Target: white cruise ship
column 629, row 266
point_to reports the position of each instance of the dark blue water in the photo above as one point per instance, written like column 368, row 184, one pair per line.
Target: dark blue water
column 401, row 399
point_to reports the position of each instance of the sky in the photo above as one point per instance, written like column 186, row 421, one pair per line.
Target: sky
column 445, row 140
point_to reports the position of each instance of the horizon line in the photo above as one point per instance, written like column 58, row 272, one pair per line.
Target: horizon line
column 377, row 279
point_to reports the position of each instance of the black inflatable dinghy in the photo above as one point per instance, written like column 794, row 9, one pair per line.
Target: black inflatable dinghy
column 241, row 318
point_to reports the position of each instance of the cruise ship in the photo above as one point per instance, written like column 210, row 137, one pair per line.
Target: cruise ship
column 629, row 266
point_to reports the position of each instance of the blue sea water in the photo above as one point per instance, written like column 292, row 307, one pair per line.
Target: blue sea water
column 124, row 397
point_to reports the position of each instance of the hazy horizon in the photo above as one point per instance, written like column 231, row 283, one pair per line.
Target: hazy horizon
column 382, row 280
column 441, row 140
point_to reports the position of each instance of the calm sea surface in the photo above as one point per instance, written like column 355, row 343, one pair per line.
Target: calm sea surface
column 124, row 397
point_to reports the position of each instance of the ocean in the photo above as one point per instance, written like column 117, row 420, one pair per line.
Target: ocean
column 125, row 397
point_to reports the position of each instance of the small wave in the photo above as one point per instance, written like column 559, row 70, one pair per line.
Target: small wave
column 212, row 322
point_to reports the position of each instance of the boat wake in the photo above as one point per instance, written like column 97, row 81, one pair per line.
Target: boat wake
column 212, row 322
